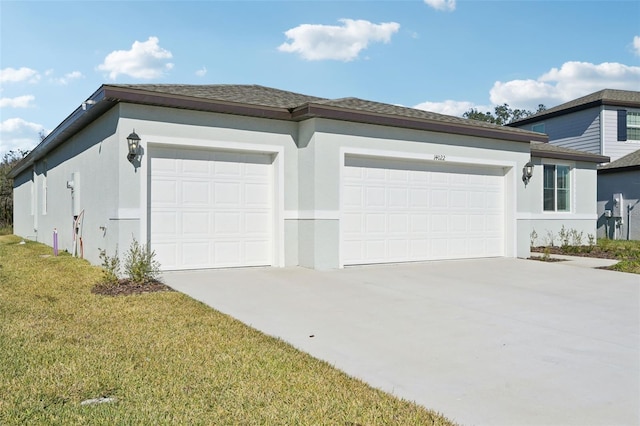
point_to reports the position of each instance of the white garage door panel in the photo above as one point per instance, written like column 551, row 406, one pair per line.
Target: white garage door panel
column 210, row 209
column 395, row 211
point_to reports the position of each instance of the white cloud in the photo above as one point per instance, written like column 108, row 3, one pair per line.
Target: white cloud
column 17, row 102
column 12, row 75
column 18, row 134
column 572, row 80
column 146, row 60
column 201, row 72
column 636, row 45
column 556, row 86
column 450, row 107
column 67, row 77
column 445, row 5
column 342, row 43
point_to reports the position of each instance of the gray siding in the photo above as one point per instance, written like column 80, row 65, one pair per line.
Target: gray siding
column 627, row 183
column 612, row 147
column 579, row 130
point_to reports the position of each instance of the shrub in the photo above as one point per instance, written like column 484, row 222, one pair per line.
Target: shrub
column 533, row 237
column 140, row 264
column 564, row 238
column 111, row 267
column 576, row 237
column 550, row 239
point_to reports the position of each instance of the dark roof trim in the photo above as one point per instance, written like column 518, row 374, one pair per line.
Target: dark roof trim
column 107, row 96
column 312, row 110
column 626, row 163
column 87, row 112
column 595, row 104
column 606, row 97
column 619, row 169
column 137, row 96
column 537, row 151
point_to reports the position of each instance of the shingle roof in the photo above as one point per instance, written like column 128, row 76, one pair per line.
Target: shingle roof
column 626, row 98
column 246, row 94
column 275, row 98
column 389, row 109
column 547, row 150
column 629, row 161
column 266, row 102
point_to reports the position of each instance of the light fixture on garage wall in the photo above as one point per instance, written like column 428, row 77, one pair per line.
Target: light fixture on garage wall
column 133, row 142
column 527, row 172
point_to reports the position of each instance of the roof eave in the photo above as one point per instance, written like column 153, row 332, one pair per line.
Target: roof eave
column 592, row 158
column 593, row 104
column 323, row 111
column 137, row 96
column 87, row 112
column 619, row 169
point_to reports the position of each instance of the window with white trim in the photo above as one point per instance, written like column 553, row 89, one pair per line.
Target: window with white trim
column 556, row 191
column 633, row 126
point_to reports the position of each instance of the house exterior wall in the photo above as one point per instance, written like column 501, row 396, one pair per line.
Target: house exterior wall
column 593, row 130
column 579, row 130
column 167, row 127
column 628, row 184
column 612, row 147
column 92, row 154
column 308, row 163
column 321, row 157
column 583, row 215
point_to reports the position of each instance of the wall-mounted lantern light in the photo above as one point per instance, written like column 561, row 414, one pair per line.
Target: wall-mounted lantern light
column 133, row 142
column 527, row 172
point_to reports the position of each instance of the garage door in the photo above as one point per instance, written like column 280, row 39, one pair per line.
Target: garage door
column 210, row 209
column 399, row 211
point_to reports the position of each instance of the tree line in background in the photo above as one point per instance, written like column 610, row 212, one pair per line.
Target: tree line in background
column 9, row 160
column 502, row 115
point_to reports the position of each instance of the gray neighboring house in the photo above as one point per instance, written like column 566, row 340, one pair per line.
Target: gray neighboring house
column 606, row 122
column 243, row 175
column 619, row 181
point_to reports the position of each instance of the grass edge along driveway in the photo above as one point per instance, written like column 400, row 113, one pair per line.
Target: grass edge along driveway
column 162, row 358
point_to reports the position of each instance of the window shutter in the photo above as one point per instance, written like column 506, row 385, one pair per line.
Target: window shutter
column 622, row 124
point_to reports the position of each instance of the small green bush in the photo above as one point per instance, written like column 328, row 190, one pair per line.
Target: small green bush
column 550, row 240
column 110, row 267
column 140, row 264
column 576, row 237
column 564, row 238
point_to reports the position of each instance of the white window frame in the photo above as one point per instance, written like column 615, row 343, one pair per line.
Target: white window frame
column 632, row 126
column 570, row 187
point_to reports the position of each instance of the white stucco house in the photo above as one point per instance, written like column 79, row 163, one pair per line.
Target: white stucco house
column 243, row 175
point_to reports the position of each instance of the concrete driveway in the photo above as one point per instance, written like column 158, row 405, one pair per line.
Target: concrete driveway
column 489, row 341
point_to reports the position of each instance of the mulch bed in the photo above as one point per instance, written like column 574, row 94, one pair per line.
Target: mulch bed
column 126, row 288
column 595, row 252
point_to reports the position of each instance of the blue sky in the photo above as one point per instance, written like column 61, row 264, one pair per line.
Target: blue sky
column 441, row 55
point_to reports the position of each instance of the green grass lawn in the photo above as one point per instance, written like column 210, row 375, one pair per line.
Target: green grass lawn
column 627, row 252
column 163, row 357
